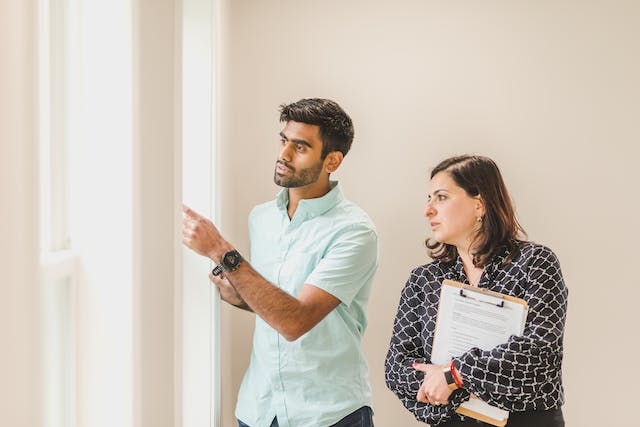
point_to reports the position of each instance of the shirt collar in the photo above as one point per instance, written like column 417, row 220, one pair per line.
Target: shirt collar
column 494, row 262
column 313, row 207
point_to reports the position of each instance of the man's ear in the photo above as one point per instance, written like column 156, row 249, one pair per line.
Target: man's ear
column 333, row 161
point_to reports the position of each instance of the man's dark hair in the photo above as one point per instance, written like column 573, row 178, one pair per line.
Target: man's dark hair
column 480, row 176
column 336, row 127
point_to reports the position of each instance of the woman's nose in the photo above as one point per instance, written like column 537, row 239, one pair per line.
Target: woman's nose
column 428, row 210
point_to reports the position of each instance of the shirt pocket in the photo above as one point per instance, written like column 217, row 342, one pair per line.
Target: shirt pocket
column 296, row 268
column 266, row 263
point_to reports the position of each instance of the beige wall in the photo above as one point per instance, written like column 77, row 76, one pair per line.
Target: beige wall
column 156, row 301
column 20, row 328
column 548, row 89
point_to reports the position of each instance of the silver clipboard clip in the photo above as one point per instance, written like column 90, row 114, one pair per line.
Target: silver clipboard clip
column 463, row 295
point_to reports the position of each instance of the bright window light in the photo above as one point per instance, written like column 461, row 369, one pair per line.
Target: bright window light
column 86, row 197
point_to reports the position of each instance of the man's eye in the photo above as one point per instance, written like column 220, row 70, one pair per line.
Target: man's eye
column 299, row 147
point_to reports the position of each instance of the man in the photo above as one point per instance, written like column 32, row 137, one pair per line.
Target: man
column 313, row 257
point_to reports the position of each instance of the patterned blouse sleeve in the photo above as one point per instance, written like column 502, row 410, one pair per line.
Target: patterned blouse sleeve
column 407, row 347
column 524, row 373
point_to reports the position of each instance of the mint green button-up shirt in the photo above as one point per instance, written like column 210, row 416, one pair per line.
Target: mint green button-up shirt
column 321, row 377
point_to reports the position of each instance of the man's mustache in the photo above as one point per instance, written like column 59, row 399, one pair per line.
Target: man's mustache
column 280, row 162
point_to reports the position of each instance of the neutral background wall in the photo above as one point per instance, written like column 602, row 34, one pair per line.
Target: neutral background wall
column 20, row 323
column 549, row 89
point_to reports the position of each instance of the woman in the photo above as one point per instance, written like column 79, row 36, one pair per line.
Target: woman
column 477, row 240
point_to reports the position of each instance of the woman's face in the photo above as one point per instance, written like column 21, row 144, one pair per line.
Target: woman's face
column 453, row 214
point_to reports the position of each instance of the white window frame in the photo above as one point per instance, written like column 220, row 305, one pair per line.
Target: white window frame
column 200, row 361
column 58, row 272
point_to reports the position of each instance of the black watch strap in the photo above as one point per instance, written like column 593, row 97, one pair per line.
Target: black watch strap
column 216, row 270
column 448, row 376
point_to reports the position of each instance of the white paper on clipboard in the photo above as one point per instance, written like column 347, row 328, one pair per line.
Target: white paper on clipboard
column 471, row 317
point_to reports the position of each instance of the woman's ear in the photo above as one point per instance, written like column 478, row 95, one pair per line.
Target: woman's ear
column 480, row 209
column 333, row 161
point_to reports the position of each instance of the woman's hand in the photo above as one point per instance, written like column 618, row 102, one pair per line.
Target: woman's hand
column 434, row 389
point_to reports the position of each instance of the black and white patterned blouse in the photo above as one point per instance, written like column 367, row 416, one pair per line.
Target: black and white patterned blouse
column 523, row 374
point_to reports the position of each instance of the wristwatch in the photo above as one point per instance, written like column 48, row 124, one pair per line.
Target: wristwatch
column 448, row 375
column 230, row 261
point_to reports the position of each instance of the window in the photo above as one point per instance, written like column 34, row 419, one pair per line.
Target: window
column 200, row 308
column 86, row 146
column 58, row 263
column 108, row 185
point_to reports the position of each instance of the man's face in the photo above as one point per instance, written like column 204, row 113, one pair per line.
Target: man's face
column 299, row 163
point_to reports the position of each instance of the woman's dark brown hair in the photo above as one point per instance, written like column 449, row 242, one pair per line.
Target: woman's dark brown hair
column 480, row 176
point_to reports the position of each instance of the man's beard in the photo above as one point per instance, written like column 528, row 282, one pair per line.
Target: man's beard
column 298, row 178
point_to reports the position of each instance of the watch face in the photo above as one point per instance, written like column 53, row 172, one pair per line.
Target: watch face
column 448, row 377
column 231, row 260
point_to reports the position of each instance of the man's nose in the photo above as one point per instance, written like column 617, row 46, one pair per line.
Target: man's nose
column 285, row 151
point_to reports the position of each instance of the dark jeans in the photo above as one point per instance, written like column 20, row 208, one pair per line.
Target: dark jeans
column 363, row 417
column 551, row 418
column 273, row 424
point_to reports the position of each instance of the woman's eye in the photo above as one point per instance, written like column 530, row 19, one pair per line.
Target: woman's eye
column 441, row 197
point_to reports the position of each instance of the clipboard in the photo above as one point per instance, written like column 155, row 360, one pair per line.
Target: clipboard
column 474, row 317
